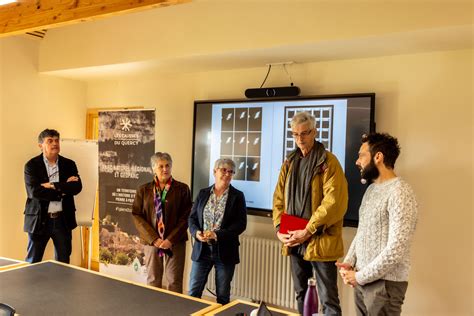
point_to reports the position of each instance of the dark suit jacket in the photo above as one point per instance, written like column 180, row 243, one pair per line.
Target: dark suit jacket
column 175, row 212
column 38, row 197
column 233, row 224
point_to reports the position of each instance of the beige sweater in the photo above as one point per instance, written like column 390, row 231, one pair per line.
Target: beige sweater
column 387, row 220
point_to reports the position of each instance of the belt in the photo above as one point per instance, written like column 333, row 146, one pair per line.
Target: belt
column 54, row 215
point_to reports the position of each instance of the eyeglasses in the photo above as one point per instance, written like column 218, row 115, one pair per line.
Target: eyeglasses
column 228, row 171
column 302, row 134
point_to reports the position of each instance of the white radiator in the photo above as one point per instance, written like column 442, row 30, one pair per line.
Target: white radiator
column 263, row 273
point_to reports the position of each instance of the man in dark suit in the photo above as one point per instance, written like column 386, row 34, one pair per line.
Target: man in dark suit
column 51, row 182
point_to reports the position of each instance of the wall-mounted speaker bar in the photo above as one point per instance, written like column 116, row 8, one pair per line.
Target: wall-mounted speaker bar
column 291, row 91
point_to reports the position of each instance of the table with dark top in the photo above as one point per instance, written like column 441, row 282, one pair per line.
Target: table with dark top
column 52, row 288
column 245, row 308
column 7, row 263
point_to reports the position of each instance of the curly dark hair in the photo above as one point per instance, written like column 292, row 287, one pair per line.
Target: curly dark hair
column 384, row 143
column 47, row 133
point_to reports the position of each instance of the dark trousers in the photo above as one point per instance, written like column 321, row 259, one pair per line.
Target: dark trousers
column 62, row 238
column 200, row 271
column 172, row 267
column 326, row 282
column 382, row 297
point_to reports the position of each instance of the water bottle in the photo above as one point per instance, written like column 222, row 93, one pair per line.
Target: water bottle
column 311, row 307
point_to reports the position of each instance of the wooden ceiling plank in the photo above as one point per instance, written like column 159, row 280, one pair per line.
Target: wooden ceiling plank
column 28, row 16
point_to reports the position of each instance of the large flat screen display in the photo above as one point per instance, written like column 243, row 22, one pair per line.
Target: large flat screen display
column 256, row 134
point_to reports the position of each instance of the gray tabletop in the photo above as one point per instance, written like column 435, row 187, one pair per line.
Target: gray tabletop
column 6, row 262
column 53, row 289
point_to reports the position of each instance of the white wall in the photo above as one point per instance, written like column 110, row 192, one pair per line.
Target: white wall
column 423, row 99
column 29, row 103
column 2, row 217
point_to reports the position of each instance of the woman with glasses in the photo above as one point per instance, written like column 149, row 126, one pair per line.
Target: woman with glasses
column 217, row 219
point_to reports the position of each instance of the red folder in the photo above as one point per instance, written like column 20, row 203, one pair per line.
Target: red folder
column 290, row 222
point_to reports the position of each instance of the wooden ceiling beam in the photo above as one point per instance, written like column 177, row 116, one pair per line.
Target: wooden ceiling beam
column 27, row 15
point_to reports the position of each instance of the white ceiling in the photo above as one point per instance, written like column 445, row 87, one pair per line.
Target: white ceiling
column 444, row 37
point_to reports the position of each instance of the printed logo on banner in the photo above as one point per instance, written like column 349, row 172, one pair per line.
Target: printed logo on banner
column 126, row 124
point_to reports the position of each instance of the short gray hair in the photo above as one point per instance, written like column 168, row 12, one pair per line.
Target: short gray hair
column 302, row 118
column 160, row 156
column 224, row 161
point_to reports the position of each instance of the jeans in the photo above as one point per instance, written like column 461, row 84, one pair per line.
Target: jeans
column 326, row 282
column 200, row 271
column 62, row 239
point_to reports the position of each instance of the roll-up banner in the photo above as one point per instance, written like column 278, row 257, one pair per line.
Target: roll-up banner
column 126, row 143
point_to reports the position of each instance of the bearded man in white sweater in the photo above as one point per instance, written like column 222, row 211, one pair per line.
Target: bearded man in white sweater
column 378, row 260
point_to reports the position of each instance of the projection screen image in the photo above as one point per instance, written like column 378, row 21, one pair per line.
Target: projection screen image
column 258, row 138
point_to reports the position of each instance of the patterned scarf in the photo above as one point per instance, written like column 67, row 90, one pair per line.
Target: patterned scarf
column 160, row 199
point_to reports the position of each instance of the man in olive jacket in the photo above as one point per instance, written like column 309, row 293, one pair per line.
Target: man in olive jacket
column 312, row 185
